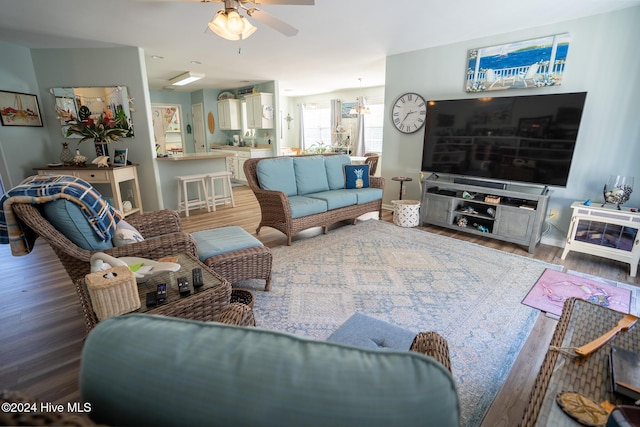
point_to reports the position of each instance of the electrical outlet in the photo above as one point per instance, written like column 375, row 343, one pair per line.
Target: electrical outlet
column 553, row 214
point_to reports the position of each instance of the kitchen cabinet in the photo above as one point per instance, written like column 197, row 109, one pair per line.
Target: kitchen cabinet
column 229, row 114
column 259, row 110
column 235, row 164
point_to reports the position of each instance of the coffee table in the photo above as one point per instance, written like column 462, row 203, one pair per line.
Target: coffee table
column 580, row 323
column 211, row 302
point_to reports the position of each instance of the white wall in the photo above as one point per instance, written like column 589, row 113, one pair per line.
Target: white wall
column 602, row 60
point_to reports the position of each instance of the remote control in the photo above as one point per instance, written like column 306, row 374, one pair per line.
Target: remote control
column 162, row 293
column 152, row 299
column 183, row 287
column 197, row 277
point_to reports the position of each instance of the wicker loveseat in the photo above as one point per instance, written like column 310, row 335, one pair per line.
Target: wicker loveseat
column 301, row 192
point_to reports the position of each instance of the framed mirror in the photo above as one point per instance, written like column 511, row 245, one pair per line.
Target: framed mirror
column 75, row 104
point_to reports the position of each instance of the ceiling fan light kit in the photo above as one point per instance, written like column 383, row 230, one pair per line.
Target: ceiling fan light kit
column 185, row 78
column 230, row 25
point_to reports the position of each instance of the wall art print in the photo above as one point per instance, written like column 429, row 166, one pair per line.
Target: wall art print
column 525, row 64
column 19, row 109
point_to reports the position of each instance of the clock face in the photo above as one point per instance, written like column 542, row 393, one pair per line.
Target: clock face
column 409, row 113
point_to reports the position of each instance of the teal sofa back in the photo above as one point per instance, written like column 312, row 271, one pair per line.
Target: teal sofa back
column 148, row 370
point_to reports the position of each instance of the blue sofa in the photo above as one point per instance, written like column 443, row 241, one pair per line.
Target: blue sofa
column 148, row 370
column 299, row 192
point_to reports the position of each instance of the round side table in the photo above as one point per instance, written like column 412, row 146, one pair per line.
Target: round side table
column 402, row 180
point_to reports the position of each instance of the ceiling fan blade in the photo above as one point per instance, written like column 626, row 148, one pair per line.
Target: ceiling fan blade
column 273, row 22
column 283, row 2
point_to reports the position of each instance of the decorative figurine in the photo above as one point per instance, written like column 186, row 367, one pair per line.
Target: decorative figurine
column 101, row 161
column 462, row 222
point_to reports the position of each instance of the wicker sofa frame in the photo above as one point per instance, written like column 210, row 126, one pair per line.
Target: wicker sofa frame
column 276, row 212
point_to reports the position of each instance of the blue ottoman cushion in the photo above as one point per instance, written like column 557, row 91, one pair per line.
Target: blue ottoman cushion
column 364, row 331
column 217, row 241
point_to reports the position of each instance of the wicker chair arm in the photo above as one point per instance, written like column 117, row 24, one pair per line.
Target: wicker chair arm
column 376, row 182
column 156, row 223
column 236, row 314
column 434, row 345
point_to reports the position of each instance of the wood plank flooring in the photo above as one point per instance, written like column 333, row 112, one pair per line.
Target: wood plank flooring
column 42, row 329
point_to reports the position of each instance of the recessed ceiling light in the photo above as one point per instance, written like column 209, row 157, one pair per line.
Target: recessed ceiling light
column 157, row 57
column 196, row 62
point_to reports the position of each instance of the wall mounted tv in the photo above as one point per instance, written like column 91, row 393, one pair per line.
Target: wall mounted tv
column 528, row 139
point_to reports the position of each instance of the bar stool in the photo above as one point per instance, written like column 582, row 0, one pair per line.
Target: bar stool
column 227, row 192
column 183, row 196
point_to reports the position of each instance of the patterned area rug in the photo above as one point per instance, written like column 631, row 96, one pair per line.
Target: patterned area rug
column 554, row 288
column 421, row 281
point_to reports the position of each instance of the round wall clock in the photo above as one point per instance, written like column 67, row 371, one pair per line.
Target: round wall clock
column 409, row 113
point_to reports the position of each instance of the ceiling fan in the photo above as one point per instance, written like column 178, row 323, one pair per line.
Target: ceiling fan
column 228, row 23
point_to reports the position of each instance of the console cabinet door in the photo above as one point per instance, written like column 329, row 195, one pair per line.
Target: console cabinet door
column 436, row 209
column 515, row 223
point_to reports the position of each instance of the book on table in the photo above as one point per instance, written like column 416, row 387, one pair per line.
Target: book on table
column 625, row 372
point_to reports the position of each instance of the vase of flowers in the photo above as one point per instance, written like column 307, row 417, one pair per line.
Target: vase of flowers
column 102, row 130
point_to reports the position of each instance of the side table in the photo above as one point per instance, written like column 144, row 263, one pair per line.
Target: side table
column 605, row 232
column 211, row 302
column 402, row 180
column 580, row 323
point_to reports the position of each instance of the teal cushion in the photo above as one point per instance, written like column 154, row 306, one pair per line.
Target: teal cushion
column 68, row 219
column 277, row 175
column 366, row 195
column 219, row 375
column 365, row 331
column 302, row 206
column 221, row 240
column 335, row 170
column 356, row 176
column 336, row 198
column 311, row 175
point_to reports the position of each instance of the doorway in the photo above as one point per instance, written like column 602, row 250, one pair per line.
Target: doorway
column 199, row 140
column 167, row 128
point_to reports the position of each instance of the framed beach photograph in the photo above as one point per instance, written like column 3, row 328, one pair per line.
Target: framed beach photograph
column 120, row 156
column 518, row 65
column 19, row 109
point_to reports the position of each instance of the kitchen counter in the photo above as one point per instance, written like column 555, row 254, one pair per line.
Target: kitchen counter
column 259, row 147
column 196, row 156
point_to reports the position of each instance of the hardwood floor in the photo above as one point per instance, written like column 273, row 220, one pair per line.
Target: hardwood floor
column 42, row 329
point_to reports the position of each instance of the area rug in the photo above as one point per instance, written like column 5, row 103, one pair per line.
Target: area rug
column 555, row 287
column 468, row 293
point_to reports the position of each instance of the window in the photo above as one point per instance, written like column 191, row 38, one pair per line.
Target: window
column 317, row 126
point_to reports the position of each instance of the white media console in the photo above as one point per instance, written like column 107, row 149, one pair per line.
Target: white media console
column 513, row 213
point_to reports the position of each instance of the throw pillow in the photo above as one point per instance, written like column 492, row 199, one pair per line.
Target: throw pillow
column 125, row 234
column 356, row 176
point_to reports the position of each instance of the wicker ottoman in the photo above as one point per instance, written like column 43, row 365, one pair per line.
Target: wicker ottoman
column 234, row 254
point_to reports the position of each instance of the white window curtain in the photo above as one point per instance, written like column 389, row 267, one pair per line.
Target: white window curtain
column 360, row 147
column 336, row 119
column 301, row 137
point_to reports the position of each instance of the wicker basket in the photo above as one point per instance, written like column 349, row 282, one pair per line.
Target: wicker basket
column 243, row 296
column 113, row 296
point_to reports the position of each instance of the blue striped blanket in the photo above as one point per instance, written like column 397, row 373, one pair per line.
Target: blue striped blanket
column 46, row 188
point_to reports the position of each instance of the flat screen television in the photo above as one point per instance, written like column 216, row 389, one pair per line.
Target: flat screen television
column 526, row 139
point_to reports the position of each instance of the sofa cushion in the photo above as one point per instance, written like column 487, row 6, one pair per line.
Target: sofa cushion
column 222, row 240
column 125, row 234
column 356, row 176
column 68, row 219
column 302, row 206
column 366, row 195
column 221, row 375
column 278, row 175
column 335, row 170
column 311, row 175
column 336, row 198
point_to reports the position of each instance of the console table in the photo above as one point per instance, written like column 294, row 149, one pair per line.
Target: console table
column 112, row 175
column 580, row 323
column 606, row 232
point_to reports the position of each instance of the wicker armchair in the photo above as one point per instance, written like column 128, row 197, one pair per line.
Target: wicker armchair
column 164, row 226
